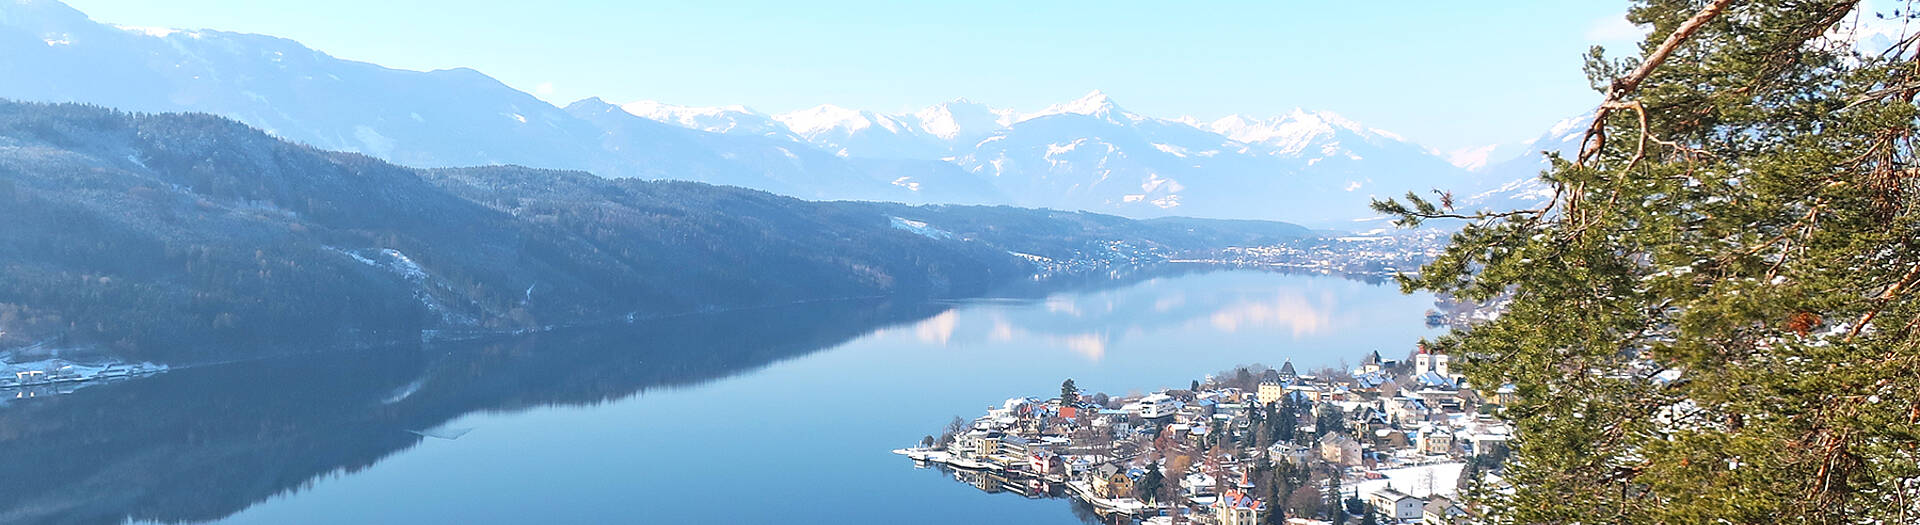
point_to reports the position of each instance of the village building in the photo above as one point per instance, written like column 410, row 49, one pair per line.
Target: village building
column 1370, row 364
column 1270, row 392
column 1424, row 362
column 1339, row 449
column 1432, row 439
column 1155, row 406
column 1441, row 510
column 1290, row 452
column 1395, row 506
column 1110, row 481
column 1237, row 507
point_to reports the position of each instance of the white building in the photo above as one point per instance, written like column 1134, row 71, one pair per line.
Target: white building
column 1425, row 361
column 1397, row 506
column 1155, row 406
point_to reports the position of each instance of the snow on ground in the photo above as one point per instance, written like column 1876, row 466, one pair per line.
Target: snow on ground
column 404, row 265
column 921, row 228
column 1419, row 482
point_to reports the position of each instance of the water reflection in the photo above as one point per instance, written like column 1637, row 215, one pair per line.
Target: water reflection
column 999, row 484
column 207, row 443
column 1088, row 324
column 202, row 443
column 1290, row 309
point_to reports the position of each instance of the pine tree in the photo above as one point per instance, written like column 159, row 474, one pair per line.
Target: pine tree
column 1713, row 317
column 1336, row 505
column 1069, row 394
column 1148, row 488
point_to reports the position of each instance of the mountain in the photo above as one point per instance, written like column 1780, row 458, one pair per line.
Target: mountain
column 962, row 122
column 1513, row 182
column 190, row 237
column 1091, row 153
column 1084, row 154
column 458, row 117
column 860, row 133
column 729, row 120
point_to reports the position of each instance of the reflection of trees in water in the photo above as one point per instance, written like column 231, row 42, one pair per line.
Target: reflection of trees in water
column 203, row 443
column 200, row 444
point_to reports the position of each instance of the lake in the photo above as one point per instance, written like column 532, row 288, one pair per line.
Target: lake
column 778, row 415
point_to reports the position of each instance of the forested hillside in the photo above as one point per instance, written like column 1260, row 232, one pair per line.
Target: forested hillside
column 179, row 237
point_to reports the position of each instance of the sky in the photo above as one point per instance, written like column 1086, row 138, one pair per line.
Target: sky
column 1448, row 75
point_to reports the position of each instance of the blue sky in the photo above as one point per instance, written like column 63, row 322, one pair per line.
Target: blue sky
column 1446, row 74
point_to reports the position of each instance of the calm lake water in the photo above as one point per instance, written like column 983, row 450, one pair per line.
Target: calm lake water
column 769, row 416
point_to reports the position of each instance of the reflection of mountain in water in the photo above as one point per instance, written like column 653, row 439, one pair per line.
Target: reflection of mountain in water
column 1093, row 319
column 204, row 443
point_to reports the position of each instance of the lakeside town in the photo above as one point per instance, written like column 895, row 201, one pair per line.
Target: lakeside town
column 55, row 375
column 1373, row 255
column 1390, row 441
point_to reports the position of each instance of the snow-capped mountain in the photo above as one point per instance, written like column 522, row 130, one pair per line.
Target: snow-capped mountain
column 861, row 133
column 1091, row 153
column 732, row 120
column 1323, row 145
column 459, row 117
column 1088, row 153
column 962, row 121
column 1095, row 104
column 1512, row 181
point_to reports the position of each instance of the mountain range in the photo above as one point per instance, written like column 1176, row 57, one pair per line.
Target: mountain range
column 181, row 237
column 1313, row 167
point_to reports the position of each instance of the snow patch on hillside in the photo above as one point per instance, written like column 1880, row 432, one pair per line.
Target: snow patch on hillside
column 920, row 228
column 1419, row 482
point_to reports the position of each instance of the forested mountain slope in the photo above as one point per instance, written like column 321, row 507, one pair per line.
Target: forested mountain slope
column 180, row 237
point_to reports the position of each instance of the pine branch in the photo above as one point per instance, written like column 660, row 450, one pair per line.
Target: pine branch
column 1627, row 85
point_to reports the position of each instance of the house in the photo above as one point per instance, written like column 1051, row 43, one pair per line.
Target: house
column 1043, row 463
column 1507, row 394
column 1012, row 451
column 1287, row 375
column 968, row 443
column 1396, row 506
column 1309, row 393
column 1441, row 510
column 1270, row 392
column 1110, row 481
column 1368, row 420
column 1369, row 383
column 1198, row 484
column 1231, row 410
column 1435, row 381
column 1289, row 452
column 1155, row 406
column 1370, row 364
column 1339, row 449
column 1434, row 440
column 1237, row 507
column 1408, row 410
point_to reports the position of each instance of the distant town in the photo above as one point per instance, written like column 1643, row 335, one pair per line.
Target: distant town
column 1390, row 441
column 1355, row 255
